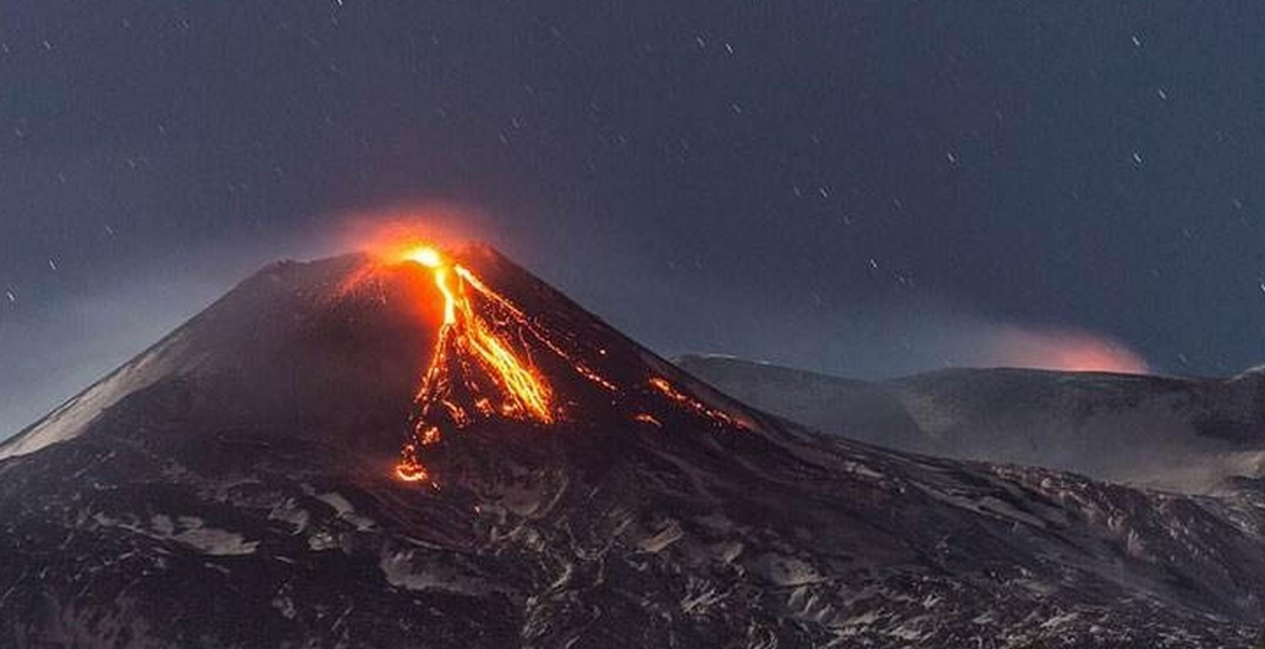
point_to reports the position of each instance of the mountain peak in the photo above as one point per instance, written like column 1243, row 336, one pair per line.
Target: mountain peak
column 396, row 350
column 285, row 346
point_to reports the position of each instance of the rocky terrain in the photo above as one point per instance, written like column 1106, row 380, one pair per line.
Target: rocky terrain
column 235, row 486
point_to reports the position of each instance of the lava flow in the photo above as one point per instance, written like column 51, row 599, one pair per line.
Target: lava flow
column 481, row 368
column 472, row 364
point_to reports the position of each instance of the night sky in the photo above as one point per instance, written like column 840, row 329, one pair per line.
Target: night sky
column 865, row 188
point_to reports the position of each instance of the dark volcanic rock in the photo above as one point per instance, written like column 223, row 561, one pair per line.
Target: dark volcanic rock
column 233, row 487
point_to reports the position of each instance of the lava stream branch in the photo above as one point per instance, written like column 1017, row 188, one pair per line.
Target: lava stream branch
column 474, row 370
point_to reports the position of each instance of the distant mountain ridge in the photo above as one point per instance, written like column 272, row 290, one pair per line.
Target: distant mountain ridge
column 1185, row 434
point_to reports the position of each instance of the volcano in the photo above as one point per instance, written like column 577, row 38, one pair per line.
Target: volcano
column 438, row 449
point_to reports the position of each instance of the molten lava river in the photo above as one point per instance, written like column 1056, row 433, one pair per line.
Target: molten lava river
column 472, row 364
column 480, row 369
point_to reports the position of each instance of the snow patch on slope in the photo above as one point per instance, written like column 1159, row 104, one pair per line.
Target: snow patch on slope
column 71, row 418
column 189, row 531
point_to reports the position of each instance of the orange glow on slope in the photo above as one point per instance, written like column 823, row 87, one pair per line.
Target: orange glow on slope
column 647, row 418
column 409, row 469
column 467, row 341
column 1067, row 350
column 671, row 392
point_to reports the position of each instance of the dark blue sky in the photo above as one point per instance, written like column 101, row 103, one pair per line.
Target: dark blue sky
column 868, row 188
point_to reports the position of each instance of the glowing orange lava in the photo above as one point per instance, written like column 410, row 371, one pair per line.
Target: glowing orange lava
column 472, row 364
column 480, row 368
column 647, row 418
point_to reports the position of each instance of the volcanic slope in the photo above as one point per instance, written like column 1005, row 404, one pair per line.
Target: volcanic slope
column 241, row 484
